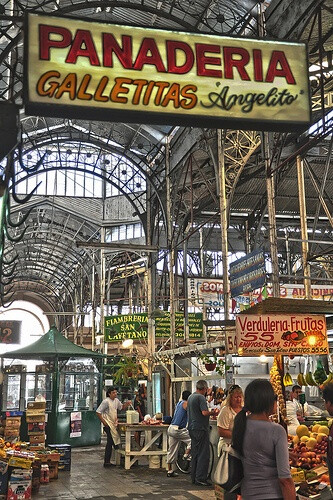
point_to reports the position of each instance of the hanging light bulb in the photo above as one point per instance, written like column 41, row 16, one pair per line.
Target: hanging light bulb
column 263, row 358
column 127, row 342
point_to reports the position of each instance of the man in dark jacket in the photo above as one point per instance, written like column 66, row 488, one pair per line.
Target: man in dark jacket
column 328, row 397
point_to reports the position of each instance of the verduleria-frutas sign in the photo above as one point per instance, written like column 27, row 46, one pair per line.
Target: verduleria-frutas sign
column 135, row 326
column 78, row 68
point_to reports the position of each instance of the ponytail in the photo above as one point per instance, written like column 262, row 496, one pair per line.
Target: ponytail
column 239, row 431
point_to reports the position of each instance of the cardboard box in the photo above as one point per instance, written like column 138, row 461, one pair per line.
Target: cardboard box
column 13, row 422
column 36, row 405
column 298, row 476
column 20, row 462
column 35, row 418
column 34, row 412
column 19, row 491
column 37, row 438
column 36, row 427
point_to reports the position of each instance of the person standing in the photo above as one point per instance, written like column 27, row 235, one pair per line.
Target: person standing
column 198, row 426
column 177, row 432
column 107, row 413
column 263, row 446
column 328, row 398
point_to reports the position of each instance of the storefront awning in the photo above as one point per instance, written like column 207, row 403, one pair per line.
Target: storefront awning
column 52, row 345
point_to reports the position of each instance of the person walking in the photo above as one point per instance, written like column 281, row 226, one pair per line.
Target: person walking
column 263, row 445
column 178, row 433
column 107, row 413
column 198, row 426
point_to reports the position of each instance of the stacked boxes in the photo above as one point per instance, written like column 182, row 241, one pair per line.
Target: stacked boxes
column 12, row 429
column 65, row 455
column 19, row 486
column 35, row 417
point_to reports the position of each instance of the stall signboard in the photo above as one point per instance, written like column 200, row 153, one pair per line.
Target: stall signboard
column 10, row 332
column 247, row 273
column 135, row 326
column 281, row 334
column 205, row 292
column 102, row 71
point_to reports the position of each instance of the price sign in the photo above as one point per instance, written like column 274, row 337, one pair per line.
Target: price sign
column 281, row 334
column 231, row 342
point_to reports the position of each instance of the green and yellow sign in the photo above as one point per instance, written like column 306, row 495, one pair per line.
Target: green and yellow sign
column 135, row 326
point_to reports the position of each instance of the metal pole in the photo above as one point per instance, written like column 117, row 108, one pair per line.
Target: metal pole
column 169, row 245
column 150, row 290
column 304, row 227
column 271, row 216
column 224, row 219
column 185, row 278
column 202, row 272
column 93, row 304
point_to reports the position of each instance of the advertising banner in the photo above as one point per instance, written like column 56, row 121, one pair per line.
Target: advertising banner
column 205, row 292
column 281, row 334
column 96, row 70
column 135, row 326
column 247, row 273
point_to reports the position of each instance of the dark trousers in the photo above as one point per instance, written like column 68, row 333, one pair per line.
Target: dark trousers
column 200, row 455
column 330, row 471
column 109, row 445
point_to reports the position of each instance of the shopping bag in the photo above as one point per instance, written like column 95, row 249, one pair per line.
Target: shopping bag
column 229, row 470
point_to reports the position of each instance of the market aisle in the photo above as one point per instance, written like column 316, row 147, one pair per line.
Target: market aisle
column 88, row 479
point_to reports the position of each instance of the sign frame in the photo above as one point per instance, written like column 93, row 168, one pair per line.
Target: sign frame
column 283, row 334
column 103, row 113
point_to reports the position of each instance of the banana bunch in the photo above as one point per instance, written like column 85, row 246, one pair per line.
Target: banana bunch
column 276, row 381
column 301, row 380
column 287, row 380
column 309, row 379
column 328, row 379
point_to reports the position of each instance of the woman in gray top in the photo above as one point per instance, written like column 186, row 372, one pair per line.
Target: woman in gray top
column 263, row 446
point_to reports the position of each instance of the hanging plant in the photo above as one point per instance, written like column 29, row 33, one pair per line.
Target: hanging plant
column 126, row 370
column 213, row 363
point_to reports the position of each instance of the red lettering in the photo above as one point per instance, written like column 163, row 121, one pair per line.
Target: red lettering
column 172, row 48
column 154, row 58
column 257, row 65
column 83, row 37
column 45, row 41
column 124, row 53
column 202, row 60
column 239, row 64
column 279, row 58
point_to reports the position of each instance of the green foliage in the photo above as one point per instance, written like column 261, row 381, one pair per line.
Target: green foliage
column 213, row 359
column 126, row 370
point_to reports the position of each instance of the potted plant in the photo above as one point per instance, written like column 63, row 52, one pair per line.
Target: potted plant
column 125, row 370
column 213, row 363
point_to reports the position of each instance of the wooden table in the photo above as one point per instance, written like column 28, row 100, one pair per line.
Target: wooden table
column 152, row 435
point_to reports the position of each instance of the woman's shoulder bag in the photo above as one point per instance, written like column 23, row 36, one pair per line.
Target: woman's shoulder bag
column 229, row 470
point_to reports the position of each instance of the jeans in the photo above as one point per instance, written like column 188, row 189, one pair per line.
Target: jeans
column 109, row 445
column 200, row 455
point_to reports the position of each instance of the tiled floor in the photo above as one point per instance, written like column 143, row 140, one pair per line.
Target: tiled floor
column 88, row 479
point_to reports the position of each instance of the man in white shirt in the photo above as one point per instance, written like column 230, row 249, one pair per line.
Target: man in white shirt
column 107, row 413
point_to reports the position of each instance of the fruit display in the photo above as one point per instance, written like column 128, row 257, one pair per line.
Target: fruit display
column 310, row 446
column 276, row 381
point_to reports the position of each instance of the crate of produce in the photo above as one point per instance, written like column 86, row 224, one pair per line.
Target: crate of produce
column 19, row 462
column 65, row 450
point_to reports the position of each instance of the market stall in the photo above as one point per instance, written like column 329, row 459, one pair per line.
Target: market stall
column 68, row 380
column 286, row 329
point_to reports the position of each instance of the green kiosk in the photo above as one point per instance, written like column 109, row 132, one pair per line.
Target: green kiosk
column 64, row 375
